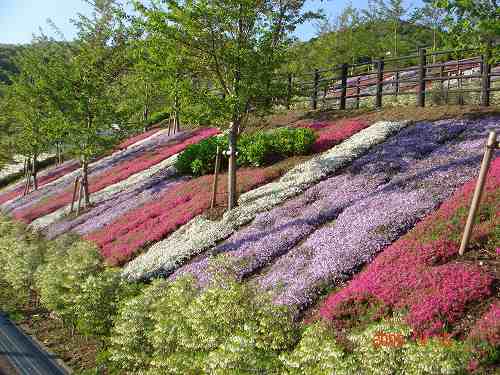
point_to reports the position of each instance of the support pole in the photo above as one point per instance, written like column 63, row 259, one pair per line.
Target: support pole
column 316, row 88
column 216, row 177
column 75, row 190
column 491, row 145
column 486, row 80
column 343, row 88
column 421, row 77
column 380, row 83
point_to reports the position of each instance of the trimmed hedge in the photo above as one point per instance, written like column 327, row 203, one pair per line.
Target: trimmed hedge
column 255, row 150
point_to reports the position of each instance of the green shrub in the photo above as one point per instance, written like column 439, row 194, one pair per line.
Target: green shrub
column 96, row 302
column 319, row 352
column 258, row 149
column 60, row 280
column 174, row 328
column 199, row 159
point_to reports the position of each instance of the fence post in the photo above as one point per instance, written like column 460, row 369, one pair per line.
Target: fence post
column 380, row 82
column 421, row 78
column 397, row 82
column 343, row 92
column 486, row 80
column 289, row 91
column 316, row 87
column 358, row 92
column 491, row 145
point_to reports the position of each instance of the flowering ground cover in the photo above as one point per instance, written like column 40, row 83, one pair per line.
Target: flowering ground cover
column 422, row 274
column 43, row 178
column 101, row 165
column 133, row 141
column 417, row 180
column 200, row 233
column 332, row 133
column 119, row 172
column 118, row 204
column 62, row 176
column 154, row 220
column 373, row 178
column 164, row 168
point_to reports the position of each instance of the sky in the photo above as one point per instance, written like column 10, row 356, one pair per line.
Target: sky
column 19, row 19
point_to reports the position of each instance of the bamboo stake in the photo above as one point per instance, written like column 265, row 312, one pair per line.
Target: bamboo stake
column 491, row 145
column 216, row 176
column 74, row 194
column 80, row 196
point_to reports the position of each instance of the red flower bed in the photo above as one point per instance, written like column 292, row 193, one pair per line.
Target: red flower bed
column 139, row 137
column 156, row 220
column 116, row 174
column 420, row 272
column 331, row 134
column 42, row 180
column 488, row 327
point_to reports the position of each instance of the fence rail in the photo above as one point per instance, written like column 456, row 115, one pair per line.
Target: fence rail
column 375, row 80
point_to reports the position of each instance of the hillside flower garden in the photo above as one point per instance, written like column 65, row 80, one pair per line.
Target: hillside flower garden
column 234, row 290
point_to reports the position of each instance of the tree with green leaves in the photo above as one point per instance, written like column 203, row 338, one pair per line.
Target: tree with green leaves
column 236, row 47
column 429, row 15
column 86, row 79
column 471, row 21
column 32, row 118
column 394, row 11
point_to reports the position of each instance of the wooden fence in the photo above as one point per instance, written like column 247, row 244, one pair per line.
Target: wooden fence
column 407, row 75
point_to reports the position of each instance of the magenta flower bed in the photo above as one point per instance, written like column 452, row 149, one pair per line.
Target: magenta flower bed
column 417, row 272
column 371, row 204
column 44, row 178
column 331, row 134
column 488, row 327
column 46, row 193
column 113, row 175
column 139, row 137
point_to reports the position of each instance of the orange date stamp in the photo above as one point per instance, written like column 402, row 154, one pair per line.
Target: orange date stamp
column 397, row 340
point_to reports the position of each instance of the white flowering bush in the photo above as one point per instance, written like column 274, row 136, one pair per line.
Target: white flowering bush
column 201, row 234
column 175, row 328
column 384, row 348
column 60, row 280
column 130, row 342
column 318, row 353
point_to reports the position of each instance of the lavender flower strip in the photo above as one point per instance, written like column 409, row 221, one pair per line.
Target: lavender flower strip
column 275, row 232
column 361, row 231
column 58, row 186
column 201, row 234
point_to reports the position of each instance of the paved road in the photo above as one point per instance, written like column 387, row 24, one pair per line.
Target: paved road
column 24, row 354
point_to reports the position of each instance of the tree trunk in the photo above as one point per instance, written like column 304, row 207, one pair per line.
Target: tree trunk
column 83, row 191
column 177, row 124
column 233, row 139
column 35, row 172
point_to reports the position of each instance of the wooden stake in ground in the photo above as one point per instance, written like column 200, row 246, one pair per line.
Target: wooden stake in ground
column 491, row 145
column 77, row 179
column 216, row 177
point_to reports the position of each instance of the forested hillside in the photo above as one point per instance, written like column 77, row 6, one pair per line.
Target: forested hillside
column 7, row 65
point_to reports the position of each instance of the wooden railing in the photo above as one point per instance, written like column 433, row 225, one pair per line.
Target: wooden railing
column 408, row 75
